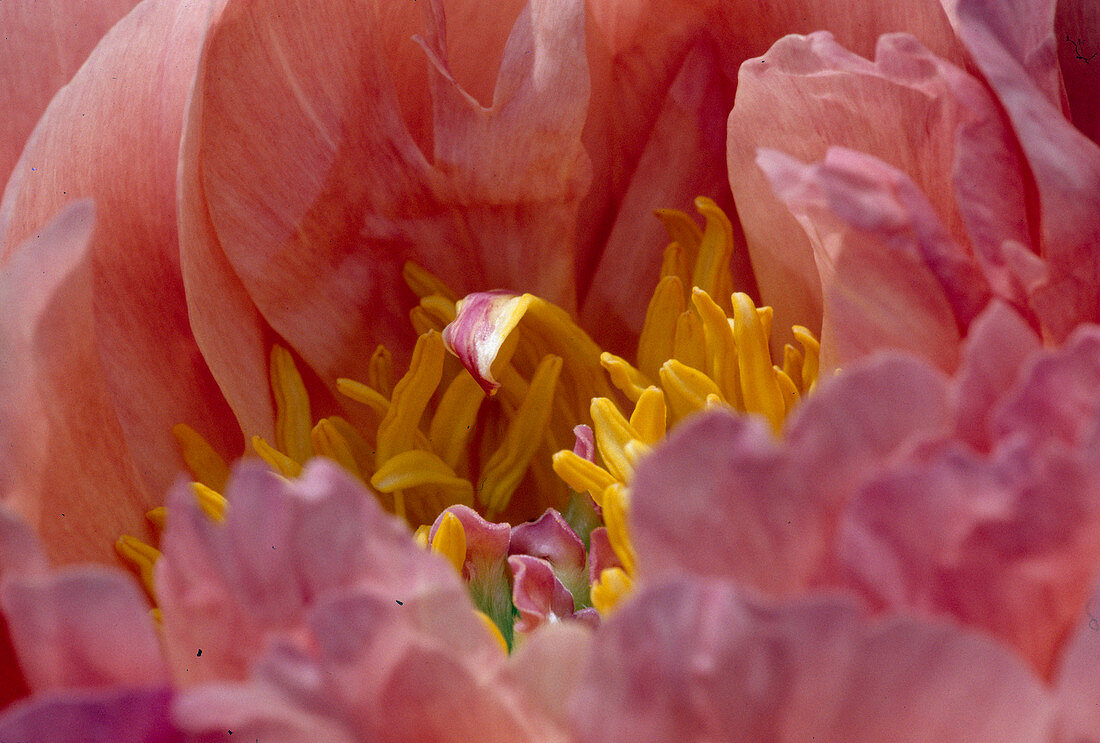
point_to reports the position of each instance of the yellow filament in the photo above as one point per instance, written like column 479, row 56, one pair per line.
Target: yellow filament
column 655, row 344
column 157, row 516
column 329, row 442
column 212, row 503
column 811, row 351
column 688, row 342
column 759, row 387
column 380, row 372
column 506, row 466
column 712, row 273
column 613, row 585
column 417, row 467
column 142, row 557
column 612, row 432
column 292, row 418
column 450, row 541
column 454, row 419
column 410, row 398
column 360, row 392
column 582, row 475
column 722, row 365
column 205, row 464
column 625, row 377
column 282, row 464
column 424, row 283
column 792, row 364
column 648, row 418
column 686, row 388
column 440, row 309
column 789, row 390
column 616, row 501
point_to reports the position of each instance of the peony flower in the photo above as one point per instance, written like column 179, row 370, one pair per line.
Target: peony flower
column 307, row 174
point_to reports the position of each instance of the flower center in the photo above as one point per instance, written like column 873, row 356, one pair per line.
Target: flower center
column 500, row 436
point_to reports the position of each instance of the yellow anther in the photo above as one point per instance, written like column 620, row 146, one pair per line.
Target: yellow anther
column 610, row 589
column 423, row 322
column 362, row 452
column 811, row 351
column 454, row 419
column 788, row 388
column 212, row 503
column 441, row 309
column 634, row 450
column 450, row 541
column 205, row 464
column 420, row 536
column 712, row 273
column 380, row 372
column 649, row 416
column 582, row 475
column 157, row 516
column 417, row 467
column 625, row 377
column 360, row 392
column 689, row 341
column 714, row 401
column 494, row 630
column 410, row 398
column 681, row 229
column 142, row 556
column 765, row 315
column 674, row 262
column 424, row 283
column 686, row 388
column 616, row 501
column 329, row 442
column 292, row 417
column 505, row 468
column 759, row 388
column 655, row 345
column 280, row 462
column 612, row 431
column 721, row 363
column 792, row 364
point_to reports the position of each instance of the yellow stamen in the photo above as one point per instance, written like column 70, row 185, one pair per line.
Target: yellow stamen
column 722, row 365
column 292, row 418
column 759, row 388
column 686, row 388
column 811, row 350
column 410, row 398
column 328, row 442
column 380, row 372
column 792, row 364
column 612, row 432
column 648, row 418
column 424, row 283
column 157, row 516
column 688, row 343
column 712, row 272
column 655, row 345
column 506, row 466
column 360, row 392
column 789, row 390
column 494, row 630
column 582, row 475
column 142, row 557
column 212, row 503
column 613, row 585
column 205, row 464
column 282, row 464
column 616, row 502
column 625, row 377
column 417, row 467
column 450, row 541
column 454, row 419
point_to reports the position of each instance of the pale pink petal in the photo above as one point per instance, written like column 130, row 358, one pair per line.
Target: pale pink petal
column 82, row 627
column 234, row 712
column 681, row 160
column 909, row 108
column 551, row 538
column 44, row 44
column 703, row 661
column 285, row 546
column 891, row 277
column 1012, row 45
column 1058, row 395
column 135, row 715
column 1077, row 684
column 1076, row 30
column 1008, row 544
column 317, row 219
column 112, row 135
column 537, row 593
column 993, row 353
column 723, row 497
column 546, row 668
column 67, row 469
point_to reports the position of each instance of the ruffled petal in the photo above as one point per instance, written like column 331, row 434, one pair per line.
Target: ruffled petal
column 890, row 275
column 39, row 55
column 67, row 469
column 537, row 593
column 704, row 661
column 112, row 135
column 551, row 538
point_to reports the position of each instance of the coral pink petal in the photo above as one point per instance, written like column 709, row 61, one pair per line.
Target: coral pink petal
column 891, row 276
column 285, row 547
column 1077, row 679
column 82, row 627
column 252, row 712
column 551, row 538
column 129, row 98
column 485, row 540
column 537, row 593
column 702, row 661
column 1008, row 544
column 68, row 470
column 44, row 44
column 547, row 667
column 680, row 161
column 600, row 554
column 318, row 221
column 1076, row 31
column 1012, row 45
column 1056, row 397
column 907, row 107
column 126, row 715
column 992, row 356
